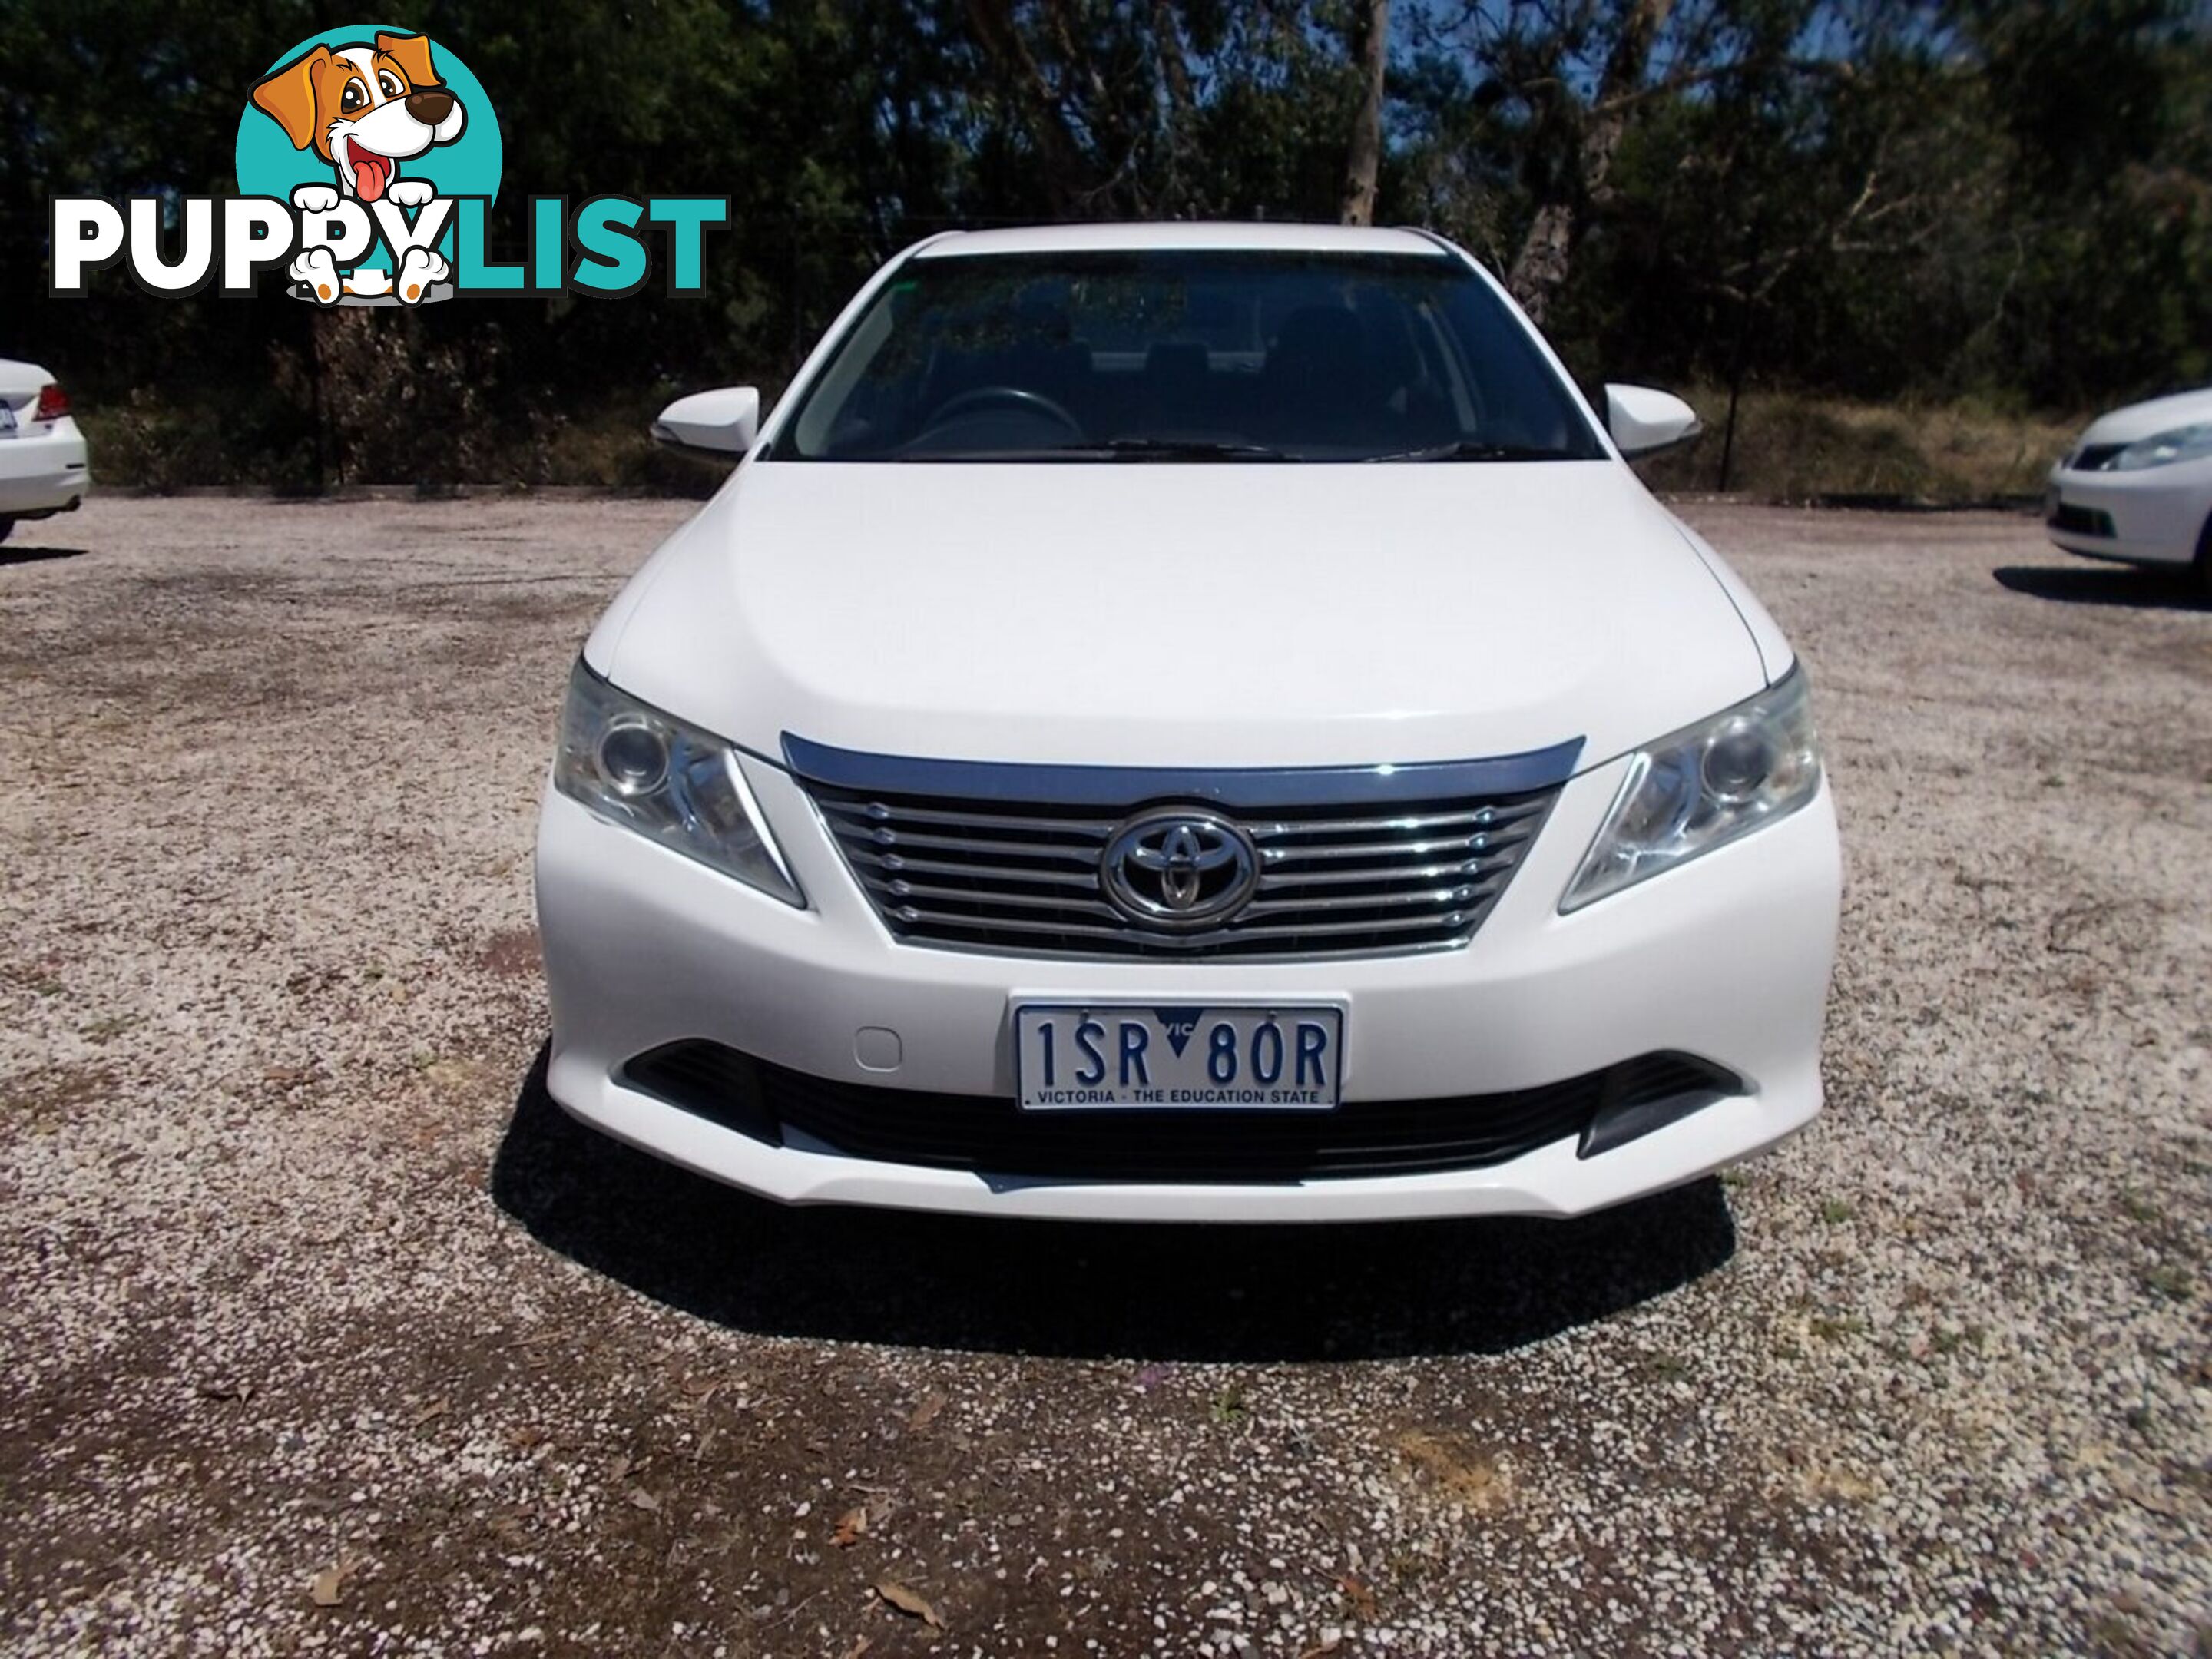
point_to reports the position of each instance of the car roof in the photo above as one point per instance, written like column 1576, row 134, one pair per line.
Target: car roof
column 1136, row 238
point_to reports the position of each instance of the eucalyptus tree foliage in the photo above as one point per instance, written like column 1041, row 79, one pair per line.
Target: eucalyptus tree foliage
column 2009, row 198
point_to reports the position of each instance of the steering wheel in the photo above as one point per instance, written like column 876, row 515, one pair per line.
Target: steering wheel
column 980, row 397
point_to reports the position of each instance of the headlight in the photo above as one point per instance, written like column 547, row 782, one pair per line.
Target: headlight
column 671, row 782
column 1703, row 787
column 2184, row 443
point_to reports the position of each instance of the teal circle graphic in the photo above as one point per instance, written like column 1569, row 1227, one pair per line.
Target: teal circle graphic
column 469, row 166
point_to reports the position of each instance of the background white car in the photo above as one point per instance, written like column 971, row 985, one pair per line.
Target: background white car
column 43, row 468
column 2137, row 487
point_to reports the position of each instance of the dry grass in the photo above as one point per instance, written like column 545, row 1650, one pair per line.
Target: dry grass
column 1793, row 447
column 1788, row 447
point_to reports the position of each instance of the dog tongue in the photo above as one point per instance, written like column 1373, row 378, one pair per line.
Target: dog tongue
column 371, row 172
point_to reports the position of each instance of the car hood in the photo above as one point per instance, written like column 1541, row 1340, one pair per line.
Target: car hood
column 1182, row 615
column 2125, row 426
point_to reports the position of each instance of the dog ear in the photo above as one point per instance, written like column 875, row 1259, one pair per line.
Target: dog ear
column 287, row 97
column 413, row 53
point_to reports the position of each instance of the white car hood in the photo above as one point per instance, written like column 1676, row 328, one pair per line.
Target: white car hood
column 1147, row 614
column 2125, row 426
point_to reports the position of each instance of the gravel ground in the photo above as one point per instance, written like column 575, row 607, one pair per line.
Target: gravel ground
column 326, row 1331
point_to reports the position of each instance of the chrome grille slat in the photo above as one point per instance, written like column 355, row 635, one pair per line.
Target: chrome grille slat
column 1446, row 898
column 1470, row 869
column 1168, row 943
column 875, row 811
column 1481, row 817
column 1347, row 879
column 1017, row 901
column 899, row 865
column 1275, row 856
column 897, row 838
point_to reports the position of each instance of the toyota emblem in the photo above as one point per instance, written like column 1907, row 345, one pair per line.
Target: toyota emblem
column 1180, row 868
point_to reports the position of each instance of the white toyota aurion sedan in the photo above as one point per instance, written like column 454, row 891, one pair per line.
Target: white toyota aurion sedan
column 42, row 458
column 1187, row 723
column 2137, row 486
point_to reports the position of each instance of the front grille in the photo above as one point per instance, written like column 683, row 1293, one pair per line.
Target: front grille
column 2081, row 520
column 994, row 1136
column 1350, row 879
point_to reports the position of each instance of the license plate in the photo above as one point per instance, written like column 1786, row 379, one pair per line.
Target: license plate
column 1086, row 1056
column 7, row 421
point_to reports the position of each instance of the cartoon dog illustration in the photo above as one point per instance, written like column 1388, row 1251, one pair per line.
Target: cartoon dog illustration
column 365, row 109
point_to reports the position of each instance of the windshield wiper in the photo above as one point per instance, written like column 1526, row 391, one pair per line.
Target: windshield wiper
column 1113, row 449
column 1180, row 449
column 1466, row 449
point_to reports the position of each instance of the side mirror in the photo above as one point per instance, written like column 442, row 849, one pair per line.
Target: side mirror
column 723, row 422
column 1644, row 420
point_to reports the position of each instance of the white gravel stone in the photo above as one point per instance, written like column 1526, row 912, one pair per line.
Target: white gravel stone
column 305, row 1281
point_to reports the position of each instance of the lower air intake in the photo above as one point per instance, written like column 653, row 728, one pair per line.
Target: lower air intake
column 990, row 1135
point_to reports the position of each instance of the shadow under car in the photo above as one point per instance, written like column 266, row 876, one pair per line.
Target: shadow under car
column 2133, row 585
column 1085, row 1289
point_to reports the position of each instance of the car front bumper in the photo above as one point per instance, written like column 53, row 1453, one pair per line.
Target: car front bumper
column 43, row 471
column 2155, row 516
column 1726, row 958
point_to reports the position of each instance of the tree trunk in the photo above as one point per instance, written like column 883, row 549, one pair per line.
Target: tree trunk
column 1373, row 49
column 1541, row 268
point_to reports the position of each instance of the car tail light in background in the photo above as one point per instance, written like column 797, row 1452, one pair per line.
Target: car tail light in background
column 53, row 403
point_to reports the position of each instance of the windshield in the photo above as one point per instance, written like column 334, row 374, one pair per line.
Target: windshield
column 1187, row 356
